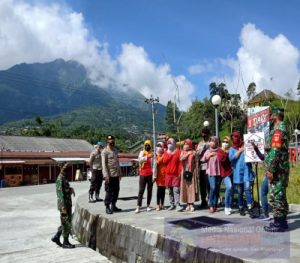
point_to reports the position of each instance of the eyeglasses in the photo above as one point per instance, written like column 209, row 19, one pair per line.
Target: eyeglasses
column 225, row 141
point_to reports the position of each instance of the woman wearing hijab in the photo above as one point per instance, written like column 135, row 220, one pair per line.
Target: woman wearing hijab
column 213, row 172
column 146, row 171
column 243, row 175
column 171, row 160
column 159, row 176
column 226, row 172
column 188, row 176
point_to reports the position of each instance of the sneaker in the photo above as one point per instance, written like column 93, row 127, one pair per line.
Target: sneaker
column 227, row 211
column 187, row 209
column 179, row 208
column 172, row 207
column 157, row 208
column 149, row 209
column 192, row 209
column 137, row 210
column 212, row 210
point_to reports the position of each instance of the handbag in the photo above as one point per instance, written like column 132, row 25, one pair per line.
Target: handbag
column 187, row 175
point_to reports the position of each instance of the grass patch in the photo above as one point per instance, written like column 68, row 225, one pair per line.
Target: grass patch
column 293, row 190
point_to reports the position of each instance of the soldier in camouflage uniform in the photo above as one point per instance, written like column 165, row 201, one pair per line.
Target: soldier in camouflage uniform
column 64, row 205
column 277, row 164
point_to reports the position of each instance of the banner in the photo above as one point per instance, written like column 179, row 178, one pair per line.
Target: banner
column 258, row 127
column 259, row 140
column 258, row 120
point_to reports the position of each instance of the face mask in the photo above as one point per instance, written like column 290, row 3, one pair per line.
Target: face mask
column 159, row 149
column 186, row 147
column 171, row 147
column 224, row 145
column 147, row 148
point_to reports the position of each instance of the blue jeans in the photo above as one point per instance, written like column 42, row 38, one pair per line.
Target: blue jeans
column 244, row 187
column 228, row 191
column 214, row 183
column 264, row 189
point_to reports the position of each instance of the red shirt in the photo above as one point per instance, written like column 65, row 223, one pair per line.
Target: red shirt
column 146, row 168
column 225, row 164
column 172, row 163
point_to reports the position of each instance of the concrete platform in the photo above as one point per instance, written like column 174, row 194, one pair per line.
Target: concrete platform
column 170, row 236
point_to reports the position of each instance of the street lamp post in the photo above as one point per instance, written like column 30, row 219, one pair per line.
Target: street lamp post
column 152, row 101
column 296, row 131
column 216, row 101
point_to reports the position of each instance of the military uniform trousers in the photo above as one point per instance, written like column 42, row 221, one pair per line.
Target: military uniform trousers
column 278, row 199
column 112, row 189
column 66, row 223
column 96, row 181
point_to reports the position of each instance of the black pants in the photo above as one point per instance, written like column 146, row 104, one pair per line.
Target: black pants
column 161, row 190
column 96, row 181
column 145, row 180
column 204, row 185
column 112, row 189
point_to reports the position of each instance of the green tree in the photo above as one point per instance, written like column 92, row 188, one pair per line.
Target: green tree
column 251, row 90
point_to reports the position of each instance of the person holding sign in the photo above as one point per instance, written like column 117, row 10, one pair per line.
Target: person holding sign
column 243, row 176
column 277, row 164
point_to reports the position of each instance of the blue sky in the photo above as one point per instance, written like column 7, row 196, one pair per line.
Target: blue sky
column 194, row 42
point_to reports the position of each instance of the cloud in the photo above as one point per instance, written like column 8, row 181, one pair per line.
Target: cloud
column 139, row 72
column 40, row 33
column 272, row 63
column 201, row 68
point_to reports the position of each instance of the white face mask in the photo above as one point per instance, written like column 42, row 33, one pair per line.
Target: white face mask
column 171, row 147
column 224, row 145
column 186, row 147
column 159, row 149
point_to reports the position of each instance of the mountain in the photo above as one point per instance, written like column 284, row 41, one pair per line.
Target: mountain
column 61, row 91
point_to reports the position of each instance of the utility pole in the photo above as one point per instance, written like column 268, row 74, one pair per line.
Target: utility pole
column 152, row 101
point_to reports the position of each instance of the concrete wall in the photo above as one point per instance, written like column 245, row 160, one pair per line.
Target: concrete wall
column 126, row 243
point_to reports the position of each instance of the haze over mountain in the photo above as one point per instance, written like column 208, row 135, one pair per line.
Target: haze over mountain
column 61, row 90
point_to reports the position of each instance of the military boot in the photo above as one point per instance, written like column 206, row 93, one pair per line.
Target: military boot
column 279, row 225
column 114, row 208
column 67, row 244
column 56, row 238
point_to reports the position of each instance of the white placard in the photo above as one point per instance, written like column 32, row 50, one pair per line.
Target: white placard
column 259, row 139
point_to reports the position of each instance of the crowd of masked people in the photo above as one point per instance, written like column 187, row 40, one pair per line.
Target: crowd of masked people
column 191, row 173
column 197, row 169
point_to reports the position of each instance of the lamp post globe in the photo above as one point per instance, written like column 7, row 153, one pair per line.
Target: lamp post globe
column 206, row 123
column 216, row 100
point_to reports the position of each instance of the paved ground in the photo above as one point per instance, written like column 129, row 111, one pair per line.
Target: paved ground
column 235, row 235
column 28, row 219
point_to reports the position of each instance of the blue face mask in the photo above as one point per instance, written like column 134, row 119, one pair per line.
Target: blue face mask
column 171, row 147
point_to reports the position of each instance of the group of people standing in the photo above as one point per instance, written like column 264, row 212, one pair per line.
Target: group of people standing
column 188, row 171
